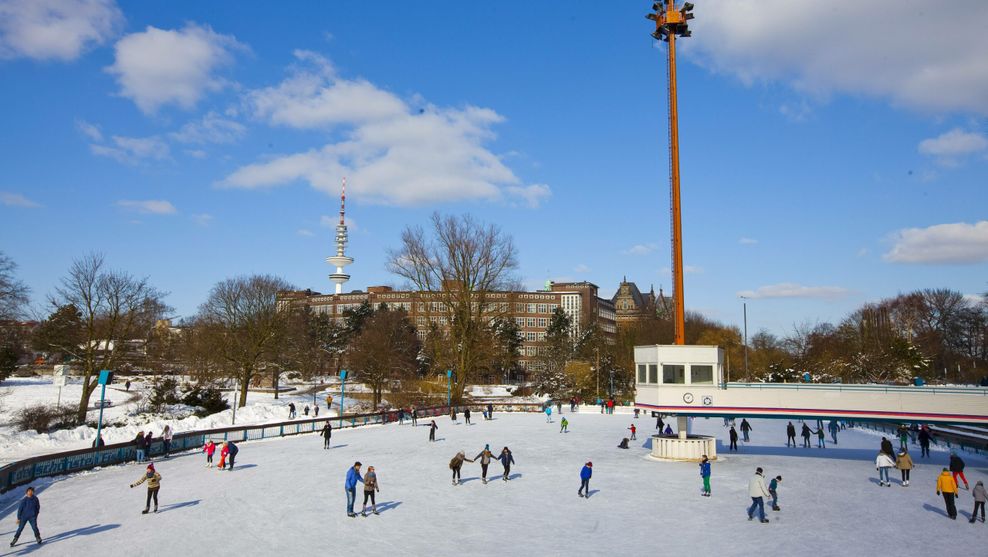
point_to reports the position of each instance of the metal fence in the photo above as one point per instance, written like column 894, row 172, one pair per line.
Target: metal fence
column 948, row 439
column 26, row 471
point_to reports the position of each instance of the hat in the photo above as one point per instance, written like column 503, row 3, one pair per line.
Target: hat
column 487, row 446
column 590, row 464
column 151, row 467
column 758, row 470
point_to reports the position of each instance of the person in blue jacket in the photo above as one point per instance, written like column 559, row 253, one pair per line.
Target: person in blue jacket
column 705, row 474
column 585, row 479
column 507, row 460
column 548, row 414
column 352, row 477
column 232, row 447
column 27, row 512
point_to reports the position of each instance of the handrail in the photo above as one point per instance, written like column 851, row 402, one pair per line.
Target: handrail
column 852, row 387
column 66, row 462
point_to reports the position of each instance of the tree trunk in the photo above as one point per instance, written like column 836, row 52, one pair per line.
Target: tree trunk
column 87, row 391
column 244, row 385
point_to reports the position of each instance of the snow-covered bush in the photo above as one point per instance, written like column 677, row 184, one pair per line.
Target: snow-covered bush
column 208, row 398
column 43, row 418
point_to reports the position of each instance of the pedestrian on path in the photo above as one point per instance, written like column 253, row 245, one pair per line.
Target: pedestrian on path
column 485, row 457
column 30, row 507
column 883, row 463
column 315, row 410
column 980, row 496
column 705, row 474
column 791, row 435
column 905, row 464
column 153, row 478
column 370, row 488
column 305, row 410
column 957, row 468
column 456, row 464
column 585, row 474
column 507, row 459
column 947, row 486
column 745, row 430
column 209, row 448
column 327, row 435
column 758, row 492
column 563, row 424
column 773, row 490
column 732, row 434
column 350, row 486
column 432, row 430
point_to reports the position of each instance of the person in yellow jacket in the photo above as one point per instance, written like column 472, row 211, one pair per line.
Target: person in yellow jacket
column 948, row 487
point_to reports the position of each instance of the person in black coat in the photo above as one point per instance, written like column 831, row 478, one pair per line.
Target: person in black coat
column 466, row 415
column 27, row 513
column 327, row 434
column 232, row 447
column 432, row 430
column 733, row 434
column 924, row 441
column 806, row 437
column 790, row 434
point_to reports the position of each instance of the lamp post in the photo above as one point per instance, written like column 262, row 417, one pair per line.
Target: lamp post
column 105, row 376
column 744, row 306
column 342, row 393
column 236, row 389
column 449, row 389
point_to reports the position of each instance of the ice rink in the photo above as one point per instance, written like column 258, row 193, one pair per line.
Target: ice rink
column 286, row 498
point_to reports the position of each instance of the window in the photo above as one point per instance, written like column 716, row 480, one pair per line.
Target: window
column 531, row 322
column 653, row 373
column 543, row 322
column 673, row 374
column 531, row 308
column 641, row 373
column 701, row 374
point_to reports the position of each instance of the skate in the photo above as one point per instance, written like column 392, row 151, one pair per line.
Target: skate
column 484, row 480
column 145, row 511
column 351, row 515
column 765, row 521
column 776, row 508
column 972, row 520
column 13, row 542
column 155, row 509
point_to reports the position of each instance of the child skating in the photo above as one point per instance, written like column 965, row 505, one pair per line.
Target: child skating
column 507, row 459
column 705, row 474
column 563, row 424
column 209, row 448
column 585, row 474
column 29, row 509
column 370, row 488
column 633, row 431
column 485, row 457
column 456, row 464
column 153, row 479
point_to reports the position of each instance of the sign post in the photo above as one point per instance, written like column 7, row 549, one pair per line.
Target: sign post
column 449, row 394
column 342, row 393
column 58, row 379
column 105, row 376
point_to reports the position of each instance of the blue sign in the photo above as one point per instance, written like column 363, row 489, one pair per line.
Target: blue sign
column 449, row 373
column 105, row 376
column 342, row 374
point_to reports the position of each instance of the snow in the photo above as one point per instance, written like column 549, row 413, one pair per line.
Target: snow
column 15, row 445
column 289, row 492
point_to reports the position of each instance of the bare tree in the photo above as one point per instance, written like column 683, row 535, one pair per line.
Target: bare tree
column 242, row 319
column 110, row 308
column 13, row 293
column 384, row 351
column 460, row 267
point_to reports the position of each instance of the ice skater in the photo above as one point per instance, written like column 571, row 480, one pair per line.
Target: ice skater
column 432, row 430
column 350, row 486
column 758, row 492
column 153, row 478
column 466, row 415
column 886, row 447
column 806, row 436
column 485, row 457
column 563, row 424
column 659, row 424
column 548, row 414
column 327, row 435
column 585, row 474
column 773, row 490
column 456, row 464
column 883, row 463
column 821, row 438
column 745, row 429
column 209, row 448
column 705, row 474
column 370, row 488
column 957, row 468
column 834, row 428
column 490, row 411
column 924, row 441
column 291, row 410
column 30, row 507
column 905, row 464
column 623, row 444
column 733, row 436
column 947, row 486
column 232, row 450
column 507, row 459
column 633, row 431
column 979, row 501
column 791, row 435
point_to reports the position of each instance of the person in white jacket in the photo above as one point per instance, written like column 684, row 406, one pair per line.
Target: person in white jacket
column 758, row 493
column 883, row 463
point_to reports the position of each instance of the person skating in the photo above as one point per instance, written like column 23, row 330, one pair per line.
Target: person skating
column 466, row 415
column 153, row 478
column 732, row 434
column 548, row 414
column 291, row 410
column 29, row 509
column 633, row 431
column 563, row 424
column 315, row 410
column 980, row 496
column 745, row 430
column 623, row 444
column 791, row 435
column 758, row 492
column 350, row 486
column 924, row 441
column 585, row 474
column 705, row 474
column 485, row 457
column 224, row 452
column 773, row 490
column 452, row 414
column 668, row 430
column 883, row 463
column 166, row 438
column 821, row 438
column 233, row 450
column 957, row 469
column 456, row 464
column 659, row 424
column 209, row 448
column 415, row 417
column 947, row 486
column 507, row 459
column 886, row 447
column 490, row 411
column 904, row 463
column 806, row 436
column 903, row 433
column 432, row 430
column 327, row 435
column 370, row 488
column 834, row 428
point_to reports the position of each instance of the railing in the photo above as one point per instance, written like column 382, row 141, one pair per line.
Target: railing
column 26, row 471
column 850, row 387
column 947, row 439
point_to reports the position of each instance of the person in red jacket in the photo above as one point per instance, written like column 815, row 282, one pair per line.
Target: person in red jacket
column 633, row 430
column 209, row 448
column 224, row 451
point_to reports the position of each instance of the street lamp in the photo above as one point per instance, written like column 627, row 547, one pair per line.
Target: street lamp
column 449, row 389
column 342, row 394
column 105, row 376
column 744, row 306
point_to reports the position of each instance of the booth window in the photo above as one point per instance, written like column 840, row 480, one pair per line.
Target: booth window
column 673, row 374
column 641, row 373
column 653, row 373
column 701, row 374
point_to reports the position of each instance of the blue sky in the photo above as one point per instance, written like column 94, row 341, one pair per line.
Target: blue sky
column 193, row 141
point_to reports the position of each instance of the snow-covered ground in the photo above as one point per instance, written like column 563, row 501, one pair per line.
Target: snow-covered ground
column 286, row 498
column 15, row 445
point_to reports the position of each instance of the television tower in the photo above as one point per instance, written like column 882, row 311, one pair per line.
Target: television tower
column 670, row 23
column 340, row 260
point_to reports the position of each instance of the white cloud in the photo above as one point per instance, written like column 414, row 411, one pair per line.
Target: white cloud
column 390, row 152
column 131, row 150
column 907, row 51
column 212, row 128
column 11, row 199
column 792, row 290
column 952, row 146
column 745, row 241
column 581, row 268
column 202, row 219
column 862, row 252
column 958, row 243
column 196, row 153
column 55, row 29
column 640, row 249
column 158, row 67
column 304, row 232
column 975, row 299
column 91, row 131
column 149, row 206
